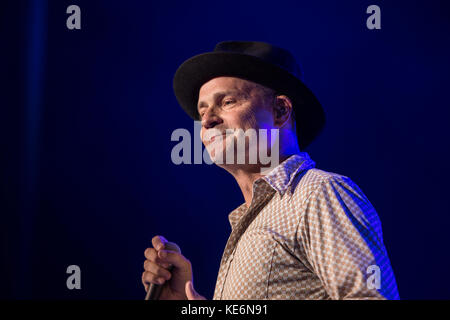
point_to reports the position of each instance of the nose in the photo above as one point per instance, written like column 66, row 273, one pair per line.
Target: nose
column 210, row 119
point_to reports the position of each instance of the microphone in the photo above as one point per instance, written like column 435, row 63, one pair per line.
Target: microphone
column 154, row 290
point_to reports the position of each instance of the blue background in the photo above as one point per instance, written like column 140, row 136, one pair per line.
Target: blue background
column 87, row 115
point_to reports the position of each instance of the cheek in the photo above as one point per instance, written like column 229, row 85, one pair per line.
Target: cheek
column 257, row 118
column 265, row 120
column 247, row 119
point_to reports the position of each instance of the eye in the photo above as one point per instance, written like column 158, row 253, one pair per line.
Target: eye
column 227, row 102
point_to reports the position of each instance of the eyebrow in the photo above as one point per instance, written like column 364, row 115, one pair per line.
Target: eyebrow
column 216, row 97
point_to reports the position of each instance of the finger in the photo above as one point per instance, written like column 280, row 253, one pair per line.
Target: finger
column 174, row 258
column 191, row 294
column 148, row 277
column 159, row 271
column 158, row 242
column 152, row 255
column 159, row 262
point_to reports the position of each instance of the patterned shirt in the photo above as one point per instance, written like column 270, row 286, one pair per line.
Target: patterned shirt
column 308, row 234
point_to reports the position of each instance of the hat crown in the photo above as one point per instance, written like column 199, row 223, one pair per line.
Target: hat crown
column 264, row 51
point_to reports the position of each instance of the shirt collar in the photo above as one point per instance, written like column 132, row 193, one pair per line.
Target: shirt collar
column 282, row 175
column 279, row 179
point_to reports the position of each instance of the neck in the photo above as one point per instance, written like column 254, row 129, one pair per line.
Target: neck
column 247, row 174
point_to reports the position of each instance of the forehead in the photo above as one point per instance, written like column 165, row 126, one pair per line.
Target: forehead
column 224, row 84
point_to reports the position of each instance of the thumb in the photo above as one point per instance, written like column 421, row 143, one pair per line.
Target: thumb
column 191, row 293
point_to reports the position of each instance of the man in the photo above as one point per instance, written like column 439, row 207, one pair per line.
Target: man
column 302, row 233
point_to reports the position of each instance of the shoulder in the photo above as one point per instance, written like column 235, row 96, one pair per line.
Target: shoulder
column 322, row 175
column 334, row 197
column 314, row 178
column 315, row 182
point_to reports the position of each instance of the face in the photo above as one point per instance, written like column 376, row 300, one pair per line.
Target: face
column 228, row 103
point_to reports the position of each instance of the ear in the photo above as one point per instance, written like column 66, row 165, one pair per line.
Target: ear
column 282, row 110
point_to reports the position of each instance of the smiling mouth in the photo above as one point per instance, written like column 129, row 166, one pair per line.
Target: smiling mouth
column 213, row 138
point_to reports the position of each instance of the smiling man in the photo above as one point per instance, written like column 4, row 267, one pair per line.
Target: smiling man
column 301, row 233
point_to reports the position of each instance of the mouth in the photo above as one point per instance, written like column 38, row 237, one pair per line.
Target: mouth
column 213, row 138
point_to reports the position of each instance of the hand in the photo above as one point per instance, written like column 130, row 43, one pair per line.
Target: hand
column 156, row 271
column 191, row 293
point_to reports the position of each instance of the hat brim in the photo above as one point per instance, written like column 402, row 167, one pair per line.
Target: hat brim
column 196, row 71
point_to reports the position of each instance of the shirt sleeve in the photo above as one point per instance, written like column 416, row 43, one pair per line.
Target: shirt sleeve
column 341, row 235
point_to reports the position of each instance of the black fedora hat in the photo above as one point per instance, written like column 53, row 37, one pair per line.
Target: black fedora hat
column 260, row 62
